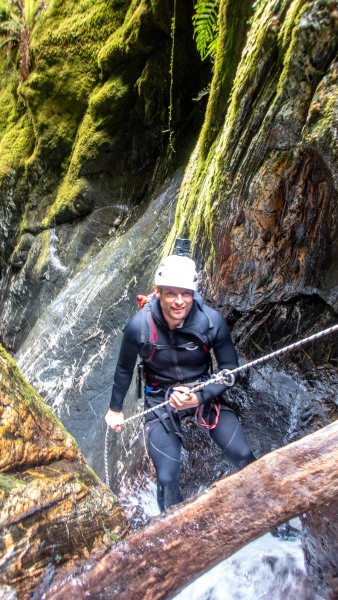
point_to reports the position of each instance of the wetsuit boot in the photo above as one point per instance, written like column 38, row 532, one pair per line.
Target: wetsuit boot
column 250, row 458
column 285, row 531
column 167, row 495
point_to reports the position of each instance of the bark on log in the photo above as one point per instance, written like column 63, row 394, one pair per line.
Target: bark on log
column 158, row 561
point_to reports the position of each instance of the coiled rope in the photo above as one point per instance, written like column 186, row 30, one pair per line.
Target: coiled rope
column 225, row 377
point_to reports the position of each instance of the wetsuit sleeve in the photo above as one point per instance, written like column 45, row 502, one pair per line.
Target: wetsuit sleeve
column 225, row 354
column 126, row 363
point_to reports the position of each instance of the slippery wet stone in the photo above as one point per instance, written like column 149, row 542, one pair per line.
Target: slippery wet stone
column 320, row 544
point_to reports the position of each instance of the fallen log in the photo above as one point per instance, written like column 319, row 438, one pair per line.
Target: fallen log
column 158, row 561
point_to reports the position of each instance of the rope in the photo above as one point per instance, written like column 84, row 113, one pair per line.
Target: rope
column 224, row 377
column 106, row 463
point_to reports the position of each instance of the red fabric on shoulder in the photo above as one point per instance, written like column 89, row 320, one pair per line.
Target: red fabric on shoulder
column 142, row 299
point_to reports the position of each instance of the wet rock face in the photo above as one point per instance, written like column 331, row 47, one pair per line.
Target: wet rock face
column 98, row 117
column 275, row 224
column 320, row 544
column 53, row 508
column 70, row 355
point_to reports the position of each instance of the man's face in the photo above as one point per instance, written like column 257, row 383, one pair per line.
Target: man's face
column 176, row 304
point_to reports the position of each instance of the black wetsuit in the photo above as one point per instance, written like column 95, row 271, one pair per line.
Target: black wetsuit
column 173, row 357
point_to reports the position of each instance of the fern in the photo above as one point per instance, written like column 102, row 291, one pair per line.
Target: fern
column 17, row 18
column 205, row 23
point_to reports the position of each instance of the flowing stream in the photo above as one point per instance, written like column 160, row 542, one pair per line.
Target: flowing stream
column 268, row 568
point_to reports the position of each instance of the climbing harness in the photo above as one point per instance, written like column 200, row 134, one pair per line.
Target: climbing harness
column 224, row 377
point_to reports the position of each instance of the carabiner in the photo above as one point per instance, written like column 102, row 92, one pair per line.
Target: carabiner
column 227, row 377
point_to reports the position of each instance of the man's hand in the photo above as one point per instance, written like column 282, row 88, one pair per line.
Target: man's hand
column 114, row 419
column 181, row 398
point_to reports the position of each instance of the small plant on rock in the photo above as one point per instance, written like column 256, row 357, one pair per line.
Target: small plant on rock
column 17, row 19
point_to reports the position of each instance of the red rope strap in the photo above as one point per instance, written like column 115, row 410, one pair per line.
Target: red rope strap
column 202, row 422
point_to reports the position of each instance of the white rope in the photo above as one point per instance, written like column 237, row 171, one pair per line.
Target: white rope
column 106, row 462
column 224, row 377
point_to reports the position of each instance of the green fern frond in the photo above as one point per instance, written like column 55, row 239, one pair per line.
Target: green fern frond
column 7, row 41
column 17, row 18
column 205, row 23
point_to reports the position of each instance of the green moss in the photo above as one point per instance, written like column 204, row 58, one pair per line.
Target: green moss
column 68, row 193
column 287, row 39
column 16, row 146
column 7, row 483
column 109, row 101
column 69, row 38
column 107, row 106
column 16, row 133
column 320, row 129
column 195, row 206
column 128, row 40
column 90, row 139
column 261, row 38
column 295, row 11
column 71, row 110
column 234, row 77
column 92, row 472
column 64, row 48
column 9, row 81
column 74, row 97
column 233, row 32
column 44, row 255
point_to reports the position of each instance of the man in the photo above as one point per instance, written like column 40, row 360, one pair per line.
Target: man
column 174, row 334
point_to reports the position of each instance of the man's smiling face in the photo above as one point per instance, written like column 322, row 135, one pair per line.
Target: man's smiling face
column 176, row 303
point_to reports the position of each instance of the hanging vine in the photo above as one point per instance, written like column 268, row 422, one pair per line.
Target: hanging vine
column 171, row 87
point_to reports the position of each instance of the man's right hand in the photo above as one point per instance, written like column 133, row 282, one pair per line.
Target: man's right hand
column 114, row 419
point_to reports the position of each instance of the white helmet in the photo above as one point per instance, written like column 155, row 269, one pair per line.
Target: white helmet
column 177, row 271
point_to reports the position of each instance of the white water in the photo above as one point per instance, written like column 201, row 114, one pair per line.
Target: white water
column 267, row 569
